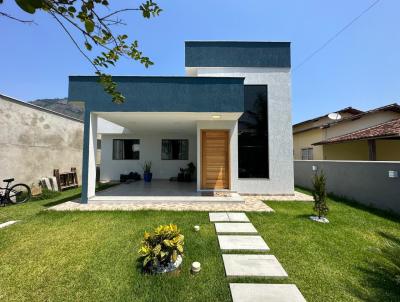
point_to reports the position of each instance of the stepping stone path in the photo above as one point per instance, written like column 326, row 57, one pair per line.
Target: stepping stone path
column 234, row 228
column 6, row 224
column 242, row 265
column 247, row 292
column 228, row 217
column 253, row 266
column 242, row 243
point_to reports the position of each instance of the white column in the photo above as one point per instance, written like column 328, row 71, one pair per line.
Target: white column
column 91, row 181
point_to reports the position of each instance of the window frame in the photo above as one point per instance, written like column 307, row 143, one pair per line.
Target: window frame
column 308, row 149
column 125, row 139
column 175, row 139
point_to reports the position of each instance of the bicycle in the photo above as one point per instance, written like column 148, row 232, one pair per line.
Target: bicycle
column 16, row 194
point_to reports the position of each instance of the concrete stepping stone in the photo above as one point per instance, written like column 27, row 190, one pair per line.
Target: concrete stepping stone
column 250, row 292
column 242, row 242
column 228, row 217
column 238, row 217
column 6, row 224
column 235, row 228
column 218, row 216
column 253, row 266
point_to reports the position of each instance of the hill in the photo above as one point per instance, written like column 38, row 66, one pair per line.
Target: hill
column 60, row 105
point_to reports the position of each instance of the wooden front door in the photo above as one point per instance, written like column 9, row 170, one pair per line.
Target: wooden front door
column 215, row 159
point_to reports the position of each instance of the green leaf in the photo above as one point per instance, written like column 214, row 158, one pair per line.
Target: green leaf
column 26, row 6
column 71, row 9
column 146, row 260
column 88, row 46
column 89, row 25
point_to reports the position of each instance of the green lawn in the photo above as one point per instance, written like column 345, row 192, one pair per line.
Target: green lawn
column 91, row 256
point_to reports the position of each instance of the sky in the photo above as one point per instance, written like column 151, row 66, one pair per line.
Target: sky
column 360, row 68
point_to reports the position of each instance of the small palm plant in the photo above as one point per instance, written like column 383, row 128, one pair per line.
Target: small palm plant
column 319, row 194
column 147, row 175
column 161, row 247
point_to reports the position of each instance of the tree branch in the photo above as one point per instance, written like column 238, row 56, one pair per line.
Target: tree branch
column 119, row 11
column 17, row 19
column 73, row 40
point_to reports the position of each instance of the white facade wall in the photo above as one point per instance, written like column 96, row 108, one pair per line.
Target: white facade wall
column 150, row 150
column 281, row 180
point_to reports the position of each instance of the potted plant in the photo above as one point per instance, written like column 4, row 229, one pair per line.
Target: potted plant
column 189, row 172
column 319, row 195
column 162, row 250
column 186, row 174
column 147, row 175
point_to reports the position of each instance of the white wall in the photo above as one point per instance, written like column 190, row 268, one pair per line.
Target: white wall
column 233, row 144
column 150, row 149
column 281, row 179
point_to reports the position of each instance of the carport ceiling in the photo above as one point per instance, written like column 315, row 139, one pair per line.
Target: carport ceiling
column 182, row 122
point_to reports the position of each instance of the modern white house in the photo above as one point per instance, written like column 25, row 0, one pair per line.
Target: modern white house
column 230, row 116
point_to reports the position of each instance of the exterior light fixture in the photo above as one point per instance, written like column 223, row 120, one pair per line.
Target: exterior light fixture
column 216, row 116
column 393, row 174
column 196, row 267
column 314, row 168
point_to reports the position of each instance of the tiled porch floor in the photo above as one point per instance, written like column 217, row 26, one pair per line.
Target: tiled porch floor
column 157, row 187
column 171, row 196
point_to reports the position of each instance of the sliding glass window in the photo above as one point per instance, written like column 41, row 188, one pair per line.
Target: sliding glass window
column 126, row 149
column 175, row 149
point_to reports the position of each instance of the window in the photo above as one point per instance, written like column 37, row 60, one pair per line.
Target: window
column 126, row 149
column 175, row 149
column 99, row 144
column 253, row 133
column 307, row 153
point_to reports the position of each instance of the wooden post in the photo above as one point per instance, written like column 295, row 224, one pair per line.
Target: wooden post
column 73, row 170
column 56, row 173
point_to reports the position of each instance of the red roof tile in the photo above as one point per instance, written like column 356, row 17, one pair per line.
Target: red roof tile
column 387, row 129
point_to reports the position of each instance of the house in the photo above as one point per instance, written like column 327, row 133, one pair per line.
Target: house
column 357, row 135
column 35, row 141
column 230, row 115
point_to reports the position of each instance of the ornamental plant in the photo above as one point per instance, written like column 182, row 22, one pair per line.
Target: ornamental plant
column 319, row 194
column 147, row 166
column 161, row 247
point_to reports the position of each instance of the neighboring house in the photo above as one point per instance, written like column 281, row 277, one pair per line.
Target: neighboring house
column 230, row 115
column 358, row 135
column 35, row 140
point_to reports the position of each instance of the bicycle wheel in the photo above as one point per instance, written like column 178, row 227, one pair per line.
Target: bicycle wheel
column 19, row 193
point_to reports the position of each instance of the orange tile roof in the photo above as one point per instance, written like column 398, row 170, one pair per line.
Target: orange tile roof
column 384, row 130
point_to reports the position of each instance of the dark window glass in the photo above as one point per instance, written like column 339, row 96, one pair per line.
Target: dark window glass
column 126, row 149
column 175, row 149
column 253, row 133
column 99, row 144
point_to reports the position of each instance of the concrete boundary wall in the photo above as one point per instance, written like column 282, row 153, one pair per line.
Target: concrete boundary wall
column 366, row 182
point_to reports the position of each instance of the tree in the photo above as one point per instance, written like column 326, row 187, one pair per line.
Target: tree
column 83, row 18
column 319, row 194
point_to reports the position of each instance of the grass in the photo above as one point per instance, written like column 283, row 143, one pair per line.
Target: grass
column 92, row 256
column 33, row 207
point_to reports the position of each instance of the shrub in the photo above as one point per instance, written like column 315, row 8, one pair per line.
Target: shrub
column 319, row 194
column 161, row 247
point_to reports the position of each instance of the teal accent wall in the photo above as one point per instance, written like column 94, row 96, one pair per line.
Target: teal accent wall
column 161, row 94
column 237, row 54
